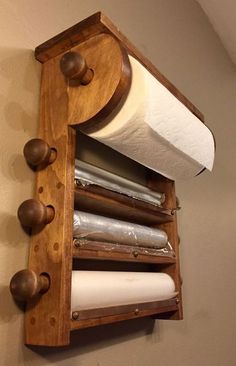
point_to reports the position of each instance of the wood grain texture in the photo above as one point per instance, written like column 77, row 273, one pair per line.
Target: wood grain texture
column 160, row 183
column 101, row 201
column 47, row 320
column 94, row 317
column 117, row 252
column 97, row 24
column 111, row 80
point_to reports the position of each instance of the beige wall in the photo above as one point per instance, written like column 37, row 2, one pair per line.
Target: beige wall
column 177, row 37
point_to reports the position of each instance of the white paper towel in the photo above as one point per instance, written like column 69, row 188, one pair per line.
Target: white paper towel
column 154, row 128
column 98, row 289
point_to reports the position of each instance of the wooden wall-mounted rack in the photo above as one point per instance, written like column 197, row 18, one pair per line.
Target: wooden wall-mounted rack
column 63, row 107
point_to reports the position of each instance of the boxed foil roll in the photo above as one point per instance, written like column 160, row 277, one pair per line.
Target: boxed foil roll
column 89, row 174
column 99, row 228
column 99, row 289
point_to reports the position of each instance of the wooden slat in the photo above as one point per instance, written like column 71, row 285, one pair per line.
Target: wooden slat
column 94, row 317
column 158, row 182
column 47, row 320
column 116, row 252
column 92, row 26
column 103, row 202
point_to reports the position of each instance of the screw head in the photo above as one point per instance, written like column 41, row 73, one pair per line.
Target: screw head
column 75, row 315
column 76, row 243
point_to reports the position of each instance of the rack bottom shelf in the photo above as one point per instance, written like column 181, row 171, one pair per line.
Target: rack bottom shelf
column 94, row 317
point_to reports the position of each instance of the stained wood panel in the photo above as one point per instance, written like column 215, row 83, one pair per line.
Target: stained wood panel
column 94, row 317
column 158, row 182
column 47, row 320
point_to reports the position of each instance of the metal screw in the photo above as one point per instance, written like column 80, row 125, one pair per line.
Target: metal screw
column 177, row 300
column 77, row 183
column 136, row 311
column 135, row 253
column 76, row 243
column 75, row 315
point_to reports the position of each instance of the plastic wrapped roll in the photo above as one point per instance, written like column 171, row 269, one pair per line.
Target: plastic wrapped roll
column 98, row 289
column 90, row 174
column 93, row 227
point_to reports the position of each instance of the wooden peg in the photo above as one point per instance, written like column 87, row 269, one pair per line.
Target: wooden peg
column 32, row 213
column 26, row 284
column 74, row 67
column 37, row 153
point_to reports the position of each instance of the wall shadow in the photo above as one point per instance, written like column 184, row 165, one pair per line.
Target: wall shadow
column 92, row 339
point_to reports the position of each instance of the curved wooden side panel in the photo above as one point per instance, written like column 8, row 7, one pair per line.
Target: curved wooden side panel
column 111, row 80
column 48, row 317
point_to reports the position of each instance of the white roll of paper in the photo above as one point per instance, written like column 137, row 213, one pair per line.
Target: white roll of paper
column 154, row 128
column 100, row 289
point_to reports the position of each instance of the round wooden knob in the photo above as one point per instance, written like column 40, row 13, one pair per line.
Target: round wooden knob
column 26, row 284
column 38, row 152
column 74, row 67
column 33, row 213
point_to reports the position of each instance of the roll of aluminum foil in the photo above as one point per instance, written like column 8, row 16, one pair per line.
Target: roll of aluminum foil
column 90, row 174
column 99, row 228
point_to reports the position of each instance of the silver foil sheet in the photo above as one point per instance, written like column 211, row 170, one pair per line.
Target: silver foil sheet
column 89, row 174
column 99, row 228
column 135, row 251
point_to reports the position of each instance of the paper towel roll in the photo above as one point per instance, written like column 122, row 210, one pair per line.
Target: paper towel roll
column 94, row 227
column 97, row 289
column 154, row 128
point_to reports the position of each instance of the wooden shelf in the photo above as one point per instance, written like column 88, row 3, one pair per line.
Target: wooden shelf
column 94, row 317
column 117, row 252
column 103, row 202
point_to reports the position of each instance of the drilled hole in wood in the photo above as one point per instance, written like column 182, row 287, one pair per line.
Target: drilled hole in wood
column 36, row 248
column 88, row 77
column 56, row 246
column 32, row 320
column 45, row 282
column 53, row 155
column 59, row 185
column 52, row 321
column 50, row 213
column 40, row 190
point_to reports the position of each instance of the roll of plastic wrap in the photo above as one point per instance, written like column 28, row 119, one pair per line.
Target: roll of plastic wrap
column 94, row 227
column 90, row 174
column 97, row 289
column 154, row 128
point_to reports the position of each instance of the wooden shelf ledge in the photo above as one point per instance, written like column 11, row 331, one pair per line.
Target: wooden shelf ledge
column 94, row 317
column 117, row 252
column 112, row 204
